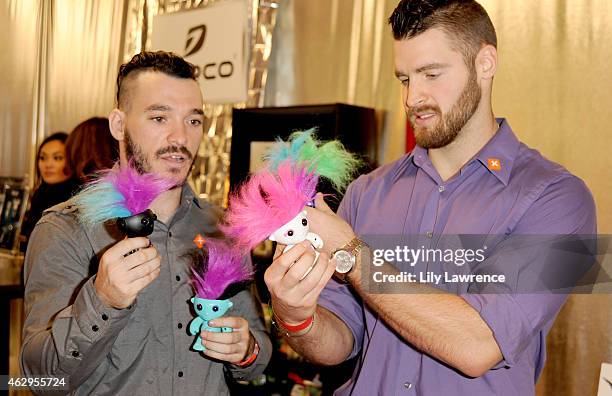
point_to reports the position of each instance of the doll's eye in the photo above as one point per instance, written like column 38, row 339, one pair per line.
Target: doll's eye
column 304, row 222
column 215, row 308
column 199, row 307
column 290, row 233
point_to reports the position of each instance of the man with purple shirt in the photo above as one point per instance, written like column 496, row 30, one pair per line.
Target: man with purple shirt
column 469, row 174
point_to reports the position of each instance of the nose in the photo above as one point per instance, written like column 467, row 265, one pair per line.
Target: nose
column 178, row 134
column 415, row 95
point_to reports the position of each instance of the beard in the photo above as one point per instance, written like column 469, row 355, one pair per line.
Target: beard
column 139, row 161
column 449, row 125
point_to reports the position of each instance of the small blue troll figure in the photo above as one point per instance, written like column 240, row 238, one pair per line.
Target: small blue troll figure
column 217, row 274
column 207, row 310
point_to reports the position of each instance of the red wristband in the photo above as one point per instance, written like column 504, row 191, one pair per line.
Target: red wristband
column 295, row 328
column 246, row 362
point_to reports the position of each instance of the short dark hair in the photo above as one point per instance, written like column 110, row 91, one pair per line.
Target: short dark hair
column 465, row 21
column 159, row 61
column 91, row 147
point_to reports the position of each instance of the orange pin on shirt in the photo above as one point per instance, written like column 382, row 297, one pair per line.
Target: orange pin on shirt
column 199, row 241
column 494, row 164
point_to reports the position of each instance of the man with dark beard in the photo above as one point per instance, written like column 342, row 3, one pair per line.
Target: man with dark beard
column 469, row 174
column 111, row 322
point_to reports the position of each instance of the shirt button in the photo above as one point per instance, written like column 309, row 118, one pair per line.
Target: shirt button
column 407, row 385
column 429, row 234
column 95, row 328
column 180, row 373
column 180, row 325
column 104, row 317
column 441, row 188
column 75, row 353
column 178, row 278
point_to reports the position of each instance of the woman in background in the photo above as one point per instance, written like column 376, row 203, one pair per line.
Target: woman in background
column 55, row 183
column 90, row 148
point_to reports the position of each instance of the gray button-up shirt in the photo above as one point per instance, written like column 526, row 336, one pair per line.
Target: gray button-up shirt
column 507, row 189
column 143, row 350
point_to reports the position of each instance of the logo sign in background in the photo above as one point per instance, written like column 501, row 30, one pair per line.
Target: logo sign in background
column 214, row 40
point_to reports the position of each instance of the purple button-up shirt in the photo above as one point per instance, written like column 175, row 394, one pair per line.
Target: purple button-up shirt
column 506, row 189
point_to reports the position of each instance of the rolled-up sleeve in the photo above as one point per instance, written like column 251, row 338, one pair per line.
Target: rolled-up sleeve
column 529, row 302
column 339, row 298
column 67, row 329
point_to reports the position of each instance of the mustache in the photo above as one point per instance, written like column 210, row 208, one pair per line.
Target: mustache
column 412, row 111
column 173, row 149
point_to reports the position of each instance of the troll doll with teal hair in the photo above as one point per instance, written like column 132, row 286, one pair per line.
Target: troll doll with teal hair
column 271, row 203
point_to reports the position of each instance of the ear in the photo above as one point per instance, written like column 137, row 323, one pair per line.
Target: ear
column 486, row 62
column 116, row 122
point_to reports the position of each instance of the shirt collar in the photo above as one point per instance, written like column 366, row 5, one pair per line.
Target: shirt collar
column 188, row 196
column 419, row 156
column 497, row 156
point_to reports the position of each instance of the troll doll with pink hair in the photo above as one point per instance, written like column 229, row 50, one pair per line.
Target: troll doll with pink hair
column 271, row 203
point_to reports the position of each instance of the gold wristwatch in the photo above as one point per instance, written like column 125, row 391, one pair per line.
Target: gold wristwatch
column 346, row 257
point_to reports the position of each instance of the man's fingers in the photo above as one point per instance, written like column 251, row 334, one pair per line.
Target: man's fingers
column 321, row 204
column 121, row 248
column 235, row 322
column 279, row 250
column 296, row 273
column 140, row 283
column 314, row 277
column 222, row 348
column 144, row 269
column 330, row 268
column 138, row 257
column 281, row 265
column 233, row 337
column 226, row 357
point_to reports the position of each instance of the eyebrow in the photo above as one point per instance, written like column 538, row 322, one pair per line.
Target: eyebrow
column 157, row 107
column 161, row 107
column 430, row 66
column 61, row 152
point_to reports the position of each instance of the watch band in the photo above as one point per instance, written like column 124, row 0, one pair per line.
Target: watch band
column 353, row 247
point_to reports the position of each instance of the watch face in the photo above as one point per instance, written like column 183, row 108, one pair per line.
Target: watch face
column 344, row 261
